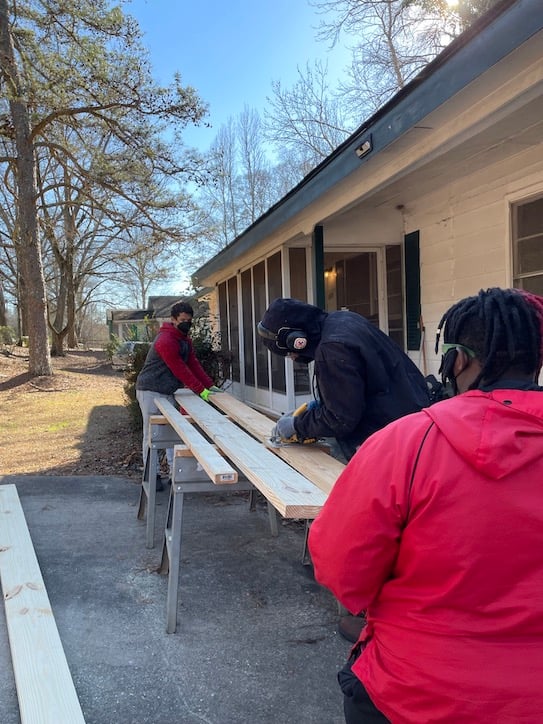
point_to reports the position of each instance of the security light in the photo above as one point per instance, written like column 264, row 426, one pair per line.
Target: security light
column 364, row 148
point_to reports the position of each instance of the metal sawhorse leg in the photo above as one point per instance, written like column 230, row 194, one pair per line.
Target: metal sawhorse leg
column 187, row 478
column 161, row 437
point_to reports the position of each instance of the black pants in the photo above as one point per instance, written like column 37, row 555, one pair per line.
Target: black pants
column 357, row 705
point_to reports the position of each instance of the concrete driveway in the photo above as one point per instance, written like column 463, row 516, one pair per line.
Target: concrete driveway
column 256, row 640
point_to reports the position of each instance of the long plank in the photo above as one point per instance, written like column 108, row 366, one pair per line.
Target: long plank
column 322, row 469
column 45, row 688
column 292, row 494
column 209, row 457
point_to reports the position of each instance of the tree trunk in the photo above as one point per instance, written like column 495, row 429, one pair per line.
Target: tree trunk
column 25, row 164
column 57, row 342
column 3, row 314
column 56, row 327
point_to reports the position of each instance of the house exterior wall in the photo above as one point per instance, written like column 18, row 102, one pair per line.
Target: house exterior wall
column 452, row 177
column 465, row 235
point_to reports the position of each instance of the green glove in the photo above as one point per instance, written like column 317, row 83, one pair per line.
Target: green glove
column 214, row 388
column 204, row 394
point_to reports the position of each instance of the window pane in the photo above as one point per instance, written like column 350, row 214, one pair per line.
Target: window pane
column 223, row 314
column 298, row 274
column 260, row 307
column 275, row 287
column 248, row 327
column 530, row 255
column 528, row 245
column 234, row 326
column 275, row 290
column 530, row 218
column 530, row 284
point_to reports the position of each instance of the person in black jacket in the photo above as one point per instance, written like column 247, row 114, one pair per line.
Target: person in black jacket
column 364, row 380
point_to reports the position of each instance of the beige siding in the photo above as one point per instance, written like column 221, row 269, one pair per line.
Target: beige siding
column 465, row 237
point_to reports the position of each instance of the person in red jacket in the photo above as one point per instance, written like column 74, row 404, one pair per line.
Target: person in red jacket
column 169, row 365
column 435, row 529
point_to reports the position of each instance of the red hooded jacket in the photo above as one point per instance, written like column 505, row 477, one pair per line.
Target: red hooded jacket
column 435, row 528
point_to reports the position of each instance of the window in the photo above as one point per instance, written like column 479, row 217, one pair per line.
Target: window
column 234, row 326
column 298, row 290
column 223, row 316
column 229, row 327
column 259, row 291
column 259, row 286
column 528, row 246
column 248, row 327
column 298, row 274
column 275, row 287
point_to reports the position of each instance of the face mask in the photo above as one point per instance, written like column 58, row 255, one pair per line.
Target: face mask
column 184, row 327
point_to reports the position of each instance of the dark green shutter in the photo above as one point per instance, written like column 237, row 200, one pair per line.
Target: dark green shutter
column 412, row 288
column 318, row 266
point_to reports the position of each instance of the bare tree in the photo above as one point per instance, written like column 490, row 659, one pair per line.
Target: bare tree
column 72, row 66
column 307, row 117
column 137, row 271
column 392, row 40
column 254, row 167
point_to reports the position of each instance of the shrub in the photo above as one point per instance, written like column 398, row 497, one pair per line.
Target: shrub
column 206, row 345
column 112, row 346
column 131, row 374
column 7, row 335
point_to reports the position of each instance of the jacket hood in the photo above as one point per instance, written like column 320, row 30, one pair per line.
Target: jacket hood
column 477, row 424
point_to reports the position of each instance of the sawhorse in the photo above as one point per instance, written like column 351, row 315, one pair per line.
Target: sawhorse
column 161, row 437
column 186, row 478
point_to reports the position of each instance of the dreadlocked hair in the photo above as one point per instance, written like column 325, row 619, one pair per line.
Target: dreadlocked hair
column 504, row 327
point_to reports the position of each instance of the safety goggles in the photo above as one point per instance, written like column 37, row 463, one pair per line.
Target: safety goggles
column 453, row 345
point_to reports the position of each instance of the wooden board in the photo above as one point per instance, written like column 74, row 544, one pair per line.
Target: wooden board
column 322, row 469
column 45, row 688
column 292, row 494
column 218, row 469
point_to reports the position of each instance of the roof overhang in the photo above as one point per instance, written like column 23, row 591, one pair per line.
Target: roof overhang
column 439, row 111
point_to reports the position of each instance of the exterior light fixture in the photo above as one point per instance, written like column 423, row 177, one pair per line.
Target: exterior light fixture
column 365, row 147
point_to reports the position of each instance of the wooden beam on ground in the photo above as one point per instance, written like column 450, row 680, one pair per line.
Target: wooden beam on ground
column 322, row 469
column 45, row 688
column 218, row 469
column 292, row 494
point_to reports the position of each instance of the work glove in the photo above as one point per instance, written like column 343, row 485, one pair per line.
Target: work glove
column 214, row 388
column 284, row 429
column 302, row 409
column 204, row 394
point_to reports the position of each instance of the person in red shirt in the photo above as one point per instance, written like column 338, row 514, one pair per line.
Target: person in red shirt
column 435, row 530
column 169, row 365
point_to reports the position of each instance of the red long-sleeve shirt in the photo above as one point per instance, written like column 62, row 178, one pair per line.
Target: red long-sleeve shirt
column 171, row 363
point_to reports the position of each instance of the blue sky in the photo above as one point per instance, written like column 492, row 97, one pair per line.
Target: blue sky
column 231, row 51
